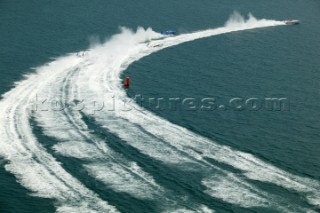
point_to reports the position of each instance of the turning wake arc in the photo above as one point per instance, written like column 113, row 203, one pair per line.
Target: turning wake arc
column 97, row 74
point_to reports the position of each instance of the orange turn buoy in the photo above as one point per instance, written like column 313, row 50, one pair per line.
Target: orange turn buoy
column 127, row 82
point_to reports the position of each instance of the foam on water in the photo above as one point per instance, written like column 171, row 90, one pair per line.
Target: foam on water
column 28, row 160
column 201, row 209
column 81, row 150
column 96, row 74
column 79, row 142
column 125, row 180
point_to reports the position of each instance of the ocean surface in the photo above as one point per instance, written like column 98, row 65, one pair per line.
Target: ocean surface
column 73, row 139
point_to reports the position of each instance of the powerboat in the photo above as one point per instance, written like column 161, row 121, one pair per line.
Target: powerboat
column 168, row 33
column 291, row 22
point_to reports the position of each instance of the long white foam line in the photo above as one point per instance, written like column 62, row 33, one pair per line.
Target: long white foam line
column 76, row 141
column 97, row 75
column 201, row 209
column 28, row 160
column 88, row 87
column 178, row 140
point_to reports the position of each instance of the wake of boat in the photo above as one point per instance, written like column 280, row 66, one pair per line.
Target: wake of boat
column 96, row 74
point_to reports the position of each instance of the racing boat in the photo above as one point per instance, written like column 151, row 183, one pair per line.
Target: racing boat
column 292, row 22
column 168, row 33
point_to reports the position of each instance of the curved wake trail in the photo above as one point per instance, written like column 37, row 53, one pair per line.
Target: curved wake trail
column 97, row 75
column 28, row 160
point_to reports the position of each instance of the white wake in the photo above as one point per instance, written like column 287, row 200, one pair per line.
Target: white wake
column 95, row 74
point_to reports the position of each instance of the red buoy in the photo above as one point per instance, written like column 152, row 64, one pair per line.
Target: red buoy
column 127, row 82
